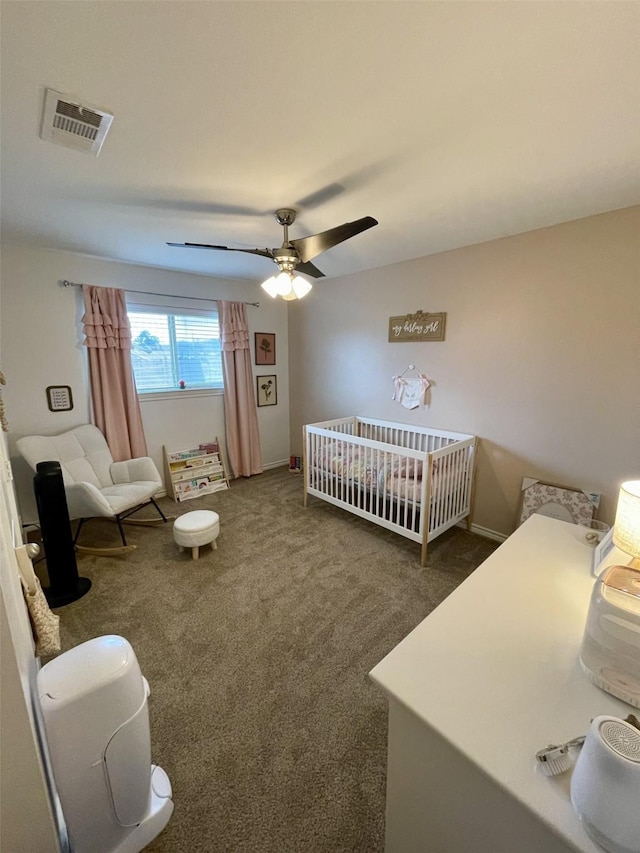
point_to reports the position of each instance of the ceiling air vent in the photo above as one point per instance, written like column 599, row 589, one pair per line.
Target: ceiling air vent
column 72, row 124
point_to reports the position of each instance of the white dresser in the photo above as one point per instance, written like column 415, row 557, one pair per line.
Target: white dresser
column 484, row 682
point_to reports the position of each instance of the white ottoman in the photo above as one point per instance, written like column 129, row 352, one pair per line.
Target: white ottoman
column 195, row 529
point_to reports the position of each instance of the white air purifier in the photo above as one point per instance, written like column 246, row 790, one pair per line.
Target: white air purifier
column 605, row 785
column 94, row 706
column 610, row 651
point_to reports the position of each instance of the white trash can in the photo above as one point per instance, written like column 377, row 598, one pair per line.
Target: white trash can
column 96, row 717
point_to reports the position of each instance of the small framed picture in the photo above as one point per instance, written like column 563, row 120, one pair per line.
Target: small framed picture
column 561, row 502
column 265, row 348
column 59, row 398
column 267, row 387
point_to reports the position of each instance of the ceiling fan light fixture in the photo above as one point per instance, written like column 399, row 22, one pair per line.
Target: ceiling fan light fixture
column 283, row 285
column 287, row 286
column 300, row 286
column 270, row 286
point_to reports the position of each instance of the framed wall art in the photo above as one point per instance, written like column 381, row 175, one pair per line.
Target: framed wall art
column 562, row 502
column 267, row 387
column 59, row 398
column 265, row 348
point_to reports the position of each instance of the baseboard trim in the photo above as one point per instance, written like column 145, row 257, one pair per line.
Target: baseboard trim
column 271, row 465
column 486, row 532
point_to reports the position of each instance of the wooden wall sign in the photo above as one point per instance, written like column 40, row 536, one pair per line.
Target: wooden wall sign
column 420, row 326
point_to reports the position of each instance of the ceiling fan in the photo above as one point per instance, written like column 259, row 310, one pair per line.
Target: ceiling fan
column 294, row 256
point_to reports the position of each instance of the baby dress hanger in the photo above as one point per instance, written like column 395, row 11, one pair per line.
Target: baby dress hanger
column 407, row 369
column 410, row 392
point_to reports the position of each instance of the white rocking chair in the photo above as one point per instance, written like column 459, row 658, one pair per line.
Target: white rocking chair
column 95, row 485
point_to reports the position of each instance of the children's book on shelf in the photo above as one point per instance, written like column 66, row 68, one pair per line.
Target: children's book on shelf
column 212, row 447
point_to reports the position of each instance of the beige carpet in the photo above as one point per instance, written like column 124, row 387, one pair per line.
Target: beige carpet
column 257, row 655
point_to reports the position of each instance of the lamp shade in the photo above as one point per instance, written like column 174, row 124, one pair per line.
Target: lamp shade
column 626, row 530
column 270, row 286
column 300, row 286
column 283, row 282
column 286, row 286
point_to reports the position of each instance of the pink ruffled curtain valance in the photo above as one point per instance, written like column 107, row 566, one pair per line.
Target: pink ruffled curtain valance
column 234, row 333
column 105, row 322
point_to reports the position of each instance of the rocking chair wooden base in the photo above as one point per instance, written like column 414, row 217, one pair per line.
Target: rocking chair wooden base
column 117, row 551
column 146, row 522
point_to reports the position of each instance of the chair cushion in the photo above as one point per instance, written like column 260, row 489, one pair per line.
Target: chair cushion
column 127, row 495
column 82, row 452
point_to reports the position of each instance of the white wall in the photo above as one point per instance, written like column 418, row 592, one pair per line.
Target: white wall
column 26, row 814
column 41, row 346
column 541, row 357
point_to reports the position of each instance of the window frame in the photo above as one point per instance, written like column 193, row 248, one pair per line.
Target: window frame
column 174, row 307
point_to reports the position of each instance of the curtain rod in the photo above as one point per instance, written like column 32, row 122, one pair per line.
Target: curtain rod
column 66, row 283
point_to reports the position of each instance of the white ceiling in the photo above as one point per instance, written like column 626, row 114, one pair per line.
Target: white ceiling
column 451, row 123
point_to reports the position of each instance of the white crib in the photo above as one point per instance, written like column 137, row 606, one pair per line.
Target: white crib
column 413, row 480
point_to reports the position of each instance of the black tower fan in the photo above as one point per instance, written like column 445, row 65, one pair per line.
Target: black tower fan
column 64, row 584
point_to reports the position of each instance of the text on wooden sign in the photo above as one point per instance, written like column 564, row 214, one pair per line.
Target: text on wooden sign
column 421, row 326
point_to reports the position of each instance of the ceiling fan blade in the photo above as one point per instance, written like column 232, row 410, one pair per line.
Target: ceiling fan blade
column 308, row 268
column 266, row 253
column 312, row 246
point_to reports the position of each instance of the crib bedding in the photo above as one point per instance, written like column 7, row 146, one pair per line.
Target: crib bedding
column 399, row 478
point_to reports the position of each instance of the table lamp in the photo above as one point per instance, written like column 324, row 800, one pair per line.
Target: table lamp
column 626, row 530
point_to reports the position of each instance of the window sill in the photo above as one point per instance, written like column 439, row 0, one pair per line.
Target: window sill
column 173, row 395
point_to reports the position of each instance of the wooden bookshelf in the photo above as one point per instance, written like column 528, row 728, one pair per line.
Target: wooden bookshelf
column 195, row 472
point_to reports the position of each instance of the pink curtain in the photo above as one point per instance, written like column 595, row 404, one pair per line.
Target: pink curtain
column 116, row 409
column 240, row 415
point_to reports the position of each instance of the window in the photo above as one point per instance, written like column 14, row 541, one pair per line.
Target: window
column 173, row 350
